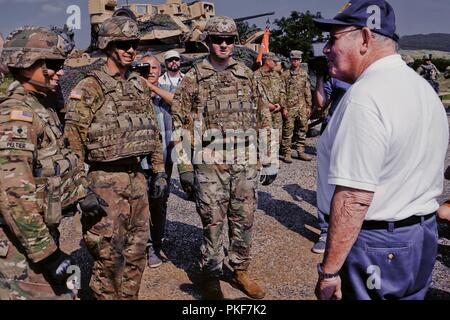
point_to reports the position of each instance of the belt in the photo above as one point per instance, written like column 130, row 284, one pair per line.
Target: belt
column 374, row 225
column 123, row 165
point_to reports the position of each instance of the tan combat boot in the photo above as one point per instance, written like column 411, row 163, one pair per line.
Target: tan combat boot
column 287, row 158
column 301, row 155
column 211, row 288
column 247, row 285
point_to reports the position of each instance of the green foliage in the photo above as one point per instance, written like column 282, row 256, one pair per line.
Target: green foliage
column 5, row 84
column 440, row 63
column 295, row 32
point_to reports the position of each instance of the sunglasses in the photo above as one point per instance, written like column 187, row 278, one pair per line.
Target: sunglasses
column 220, row 40
column 54, row 65
column 173, row 59
column 126, row 45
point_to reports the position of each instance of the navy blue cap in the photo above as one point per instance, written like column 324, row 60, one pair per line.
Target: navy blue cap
column 377, row 15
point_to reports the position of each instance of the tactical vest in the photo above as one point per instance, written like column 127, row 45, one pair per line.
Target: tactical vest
column 56, row 170
column 224, row 100
column 122, row 125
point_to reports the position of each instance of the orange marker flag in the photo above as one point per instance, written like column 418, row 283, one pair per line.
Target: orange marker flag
column 264, row 45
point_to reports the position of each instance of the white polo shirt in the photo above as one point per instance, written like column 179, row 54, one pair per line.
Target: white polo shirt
column 389, row 135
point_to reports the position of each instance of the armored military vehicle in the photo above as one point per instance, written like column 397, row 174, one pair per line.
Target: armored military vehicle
column 174, row 25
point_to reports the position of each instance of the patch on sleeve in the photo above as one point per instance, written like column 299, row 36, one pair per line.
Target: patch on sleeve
column 18, row 115
column 20, row 132
column 75, row 94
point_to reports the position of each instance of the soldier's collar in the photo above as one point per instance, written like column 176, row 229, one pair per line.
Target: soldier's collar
column 206, row 64
column 17, row 88
column 109, row 72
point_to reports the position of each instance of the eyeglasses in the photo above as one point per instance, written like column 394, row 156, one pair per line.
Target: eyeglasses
column 126, row 45
column 173, row 59
column 54, row 65
column 333, row 38
column 220, row 40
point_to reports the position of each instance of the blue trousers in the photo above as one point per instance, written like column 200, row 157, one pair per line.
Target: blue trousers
column 391, row 263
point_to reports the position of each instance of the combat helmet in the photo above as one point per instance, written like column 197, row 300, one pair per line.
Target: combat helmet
column 27, row 45
column 221, row 26
column 427, row 57
column 117, row 28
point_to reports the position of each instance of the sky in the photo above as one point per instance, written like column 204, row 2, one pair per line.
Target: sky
column 413, row 16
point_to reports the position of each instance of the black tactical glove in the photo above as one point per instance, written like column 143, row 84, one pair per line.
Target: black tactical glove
column 268, row 174
column 55, row 266
column 187, row 183
column 92, row 205
column 158, row 185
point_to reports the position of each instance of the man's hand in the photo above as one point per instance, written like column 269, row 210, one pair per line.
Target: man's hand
column 268, row 174
column 159, row 185
column 92, row 205
column 274, row 107
column 329, row 289
column 187, row 183
column 55, row 266
column 285, row 113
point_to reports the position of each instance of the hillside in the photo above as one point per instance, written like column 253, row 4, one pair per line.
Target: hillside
column 433, row 41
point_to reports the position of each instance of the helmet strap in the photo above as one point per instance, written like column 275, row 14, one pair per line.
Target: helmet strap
column 39, row 84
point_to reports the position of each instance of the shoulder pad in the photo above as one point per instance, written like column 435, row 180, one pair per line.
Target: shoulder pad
column 241, row 71
column 107, row 82
column 203, row 73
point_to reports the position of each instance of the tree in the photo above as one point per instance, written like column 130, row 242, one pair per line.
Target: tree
column 296, row 32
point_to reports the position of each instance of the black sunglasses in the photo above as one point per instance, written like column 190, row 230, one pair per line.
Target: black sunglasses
column 173, row 59
column 220, row 40
column 126, row 45
column 54, row 65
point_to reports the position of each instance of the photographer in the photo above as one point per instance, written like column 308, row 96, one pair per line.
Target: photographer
column 161, row 102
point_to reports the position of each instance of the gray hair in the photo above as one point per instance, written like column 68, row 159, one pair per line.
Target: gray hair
column 149, row 54
column 385, row 41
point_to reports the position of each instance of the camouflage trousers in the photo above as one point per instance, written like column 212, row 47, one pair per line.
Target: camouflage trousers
column 295, row 128
column 277, row 124
column 19, row 280
column 117, row 241
column 226, row 192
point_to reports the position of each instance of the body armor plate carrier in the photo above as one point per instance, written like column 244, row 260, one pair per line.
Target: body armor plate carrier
column 122, row 126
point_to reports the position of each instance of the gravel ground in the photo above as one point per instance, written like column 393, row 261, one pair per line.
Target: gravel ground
column 285, row 230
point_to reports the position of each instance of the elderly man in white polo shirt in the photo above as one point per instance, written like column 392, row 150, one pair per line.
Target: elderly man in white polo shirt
column 380, row 163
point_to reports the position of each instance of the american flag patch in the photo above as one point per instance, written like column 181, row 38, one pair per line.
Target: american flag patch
column 18, row 115
column 75, row 94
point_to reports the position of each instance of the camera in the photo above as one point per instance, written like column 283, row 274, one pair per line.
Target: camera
column 142, row 68
column 318, row 62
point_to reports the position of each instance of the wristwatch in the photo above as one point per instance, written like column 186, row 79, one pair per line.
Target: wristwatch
column 323, row 275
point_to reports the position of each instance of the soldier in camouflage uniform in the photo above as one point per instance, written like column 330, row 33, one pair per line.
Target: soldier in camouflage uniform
column 429, row 72
column 110, row 125
column 447, row 73
column 39, row 175
column 270, row 83
column 299, row 105
column 217, row 95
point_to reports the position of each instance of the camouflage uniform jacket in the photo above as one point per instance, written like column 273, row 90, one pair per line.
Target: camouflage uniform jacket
column 298, row 89
column 271, row 84
column 39, row 175
column 428, row 71
column 123, row 129
column 203, row 88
